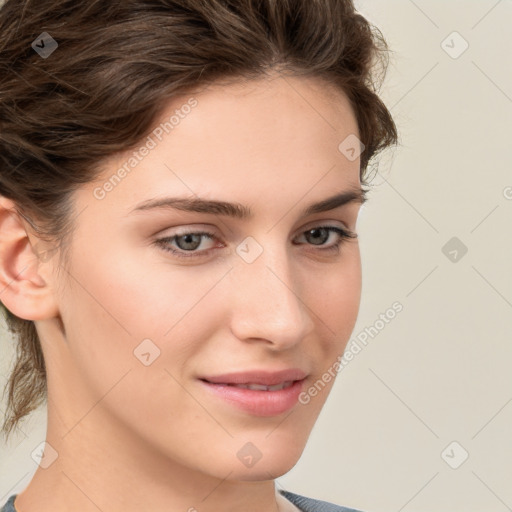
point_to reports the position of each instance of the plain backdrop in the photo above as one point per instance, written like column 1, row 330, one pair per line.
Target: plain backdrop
column 420, row 418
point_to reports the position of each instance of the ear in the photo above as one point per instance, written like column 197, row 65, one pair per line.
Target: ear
column 25, row 261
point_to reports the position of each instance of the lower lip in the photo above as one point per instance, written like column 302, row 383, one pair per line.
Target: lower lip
column 258, row 403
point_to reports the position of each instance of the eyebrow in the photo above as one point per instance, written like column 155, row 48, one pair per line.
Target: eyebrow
column 240, row 211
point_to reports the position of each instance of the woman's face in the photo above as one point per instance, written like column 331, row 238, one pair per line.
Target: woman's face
column 263, row 292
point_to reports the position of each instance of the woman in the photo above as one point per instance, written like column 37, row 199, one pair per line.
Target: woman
column 180, row 185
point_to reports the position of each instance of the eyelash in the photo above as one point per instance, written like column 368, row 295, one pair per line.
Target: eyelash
column 164, row 242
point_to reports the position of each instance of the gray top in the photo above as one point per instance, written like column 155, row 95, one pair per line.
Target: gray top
column 301, row 502
column 312, row 505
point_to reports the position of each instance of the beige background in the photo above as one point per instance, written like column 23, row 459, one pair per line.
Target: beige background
column 440, row 370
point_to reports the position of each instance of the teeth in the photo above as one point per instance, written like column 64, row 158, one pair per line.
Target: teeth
column 261, row 387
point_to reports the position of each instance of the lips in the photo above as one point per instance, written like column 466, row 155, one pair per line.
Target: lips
column 258, row 377
column 259, row 393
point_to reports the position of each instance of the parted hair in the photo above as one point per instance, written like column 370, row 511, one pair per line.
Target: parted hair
column 116, row 65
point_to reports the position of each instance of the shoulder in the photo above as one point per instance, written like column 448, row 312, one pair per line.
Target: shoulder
column 9, row 504
column 313, row 505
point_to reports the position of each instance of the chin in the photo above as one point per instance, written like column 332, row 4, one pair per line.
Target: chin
column 265, row 457
column 268, row 470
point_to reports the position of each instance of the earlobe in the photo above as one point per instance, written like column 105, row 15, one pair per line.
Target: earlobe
column 24, row 287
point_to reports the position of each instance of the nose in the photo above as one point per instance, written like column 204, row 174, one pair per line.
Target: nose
column 268, row 302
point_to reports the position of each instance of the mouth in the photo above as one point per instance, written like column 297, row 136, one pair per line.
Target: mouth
column 257, row 393
column 259, row 387
column 258, row 377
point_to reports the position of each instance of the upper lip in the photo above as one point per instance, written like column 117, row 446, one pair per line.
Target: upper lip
column 263, row 377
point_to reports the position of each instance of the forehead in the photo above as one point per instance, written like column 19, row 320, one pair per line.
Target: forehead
column 253, row 139
column 270, row 105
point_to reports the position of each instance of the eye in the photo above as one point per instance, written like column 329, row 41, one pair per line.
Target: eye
column 188, row 243
column 319, row 235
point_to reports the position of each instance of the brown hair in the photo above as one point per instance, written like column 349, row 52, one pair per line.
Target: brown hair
column 116, row 64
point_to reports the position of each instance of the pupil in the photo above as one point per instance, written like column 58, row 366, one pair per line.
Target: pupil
column 189, row 240
column 319, row 232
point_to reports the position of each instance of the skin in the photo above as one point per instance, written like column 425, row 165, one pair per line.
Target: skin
column 134, row 437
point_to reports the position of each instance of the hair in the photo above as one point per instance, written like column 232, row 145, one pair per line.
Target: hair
column 116, row 65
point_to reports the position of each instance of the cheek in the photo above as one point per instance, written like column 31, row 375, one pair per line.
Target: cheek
column 118, row 304
column 335, row 295
column 126, row 315
column 140, row 291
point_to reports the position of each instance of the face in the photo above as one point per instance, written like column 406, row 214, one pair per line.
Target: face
column 158, row 300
